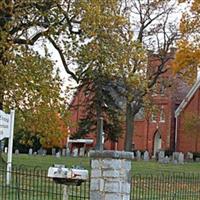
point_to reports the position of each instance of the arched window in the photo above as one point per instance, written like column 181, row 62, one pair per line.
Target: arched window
column 153, row 116
column 162, row 115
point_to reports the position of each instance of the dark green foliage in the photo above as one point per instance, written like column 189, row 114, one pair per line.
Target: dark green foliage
column 24, row 140
column 110, row 110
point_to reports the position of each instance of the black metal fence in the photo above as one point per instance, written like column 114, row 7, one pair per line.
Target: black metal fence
column 166, row 186
column 33, row 184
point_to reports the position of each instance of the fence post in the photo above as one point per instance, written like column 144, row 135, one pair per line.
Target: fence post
column 65, row 192
column 110, row 175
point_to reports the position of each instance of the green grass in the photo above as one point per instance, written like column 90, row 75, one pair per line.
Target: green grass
column 148, row 182
column 44, row 162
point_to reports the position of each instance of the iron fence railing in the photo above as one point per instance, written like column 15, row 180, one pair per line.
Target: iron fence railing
column 165, row 186
column 33, row 184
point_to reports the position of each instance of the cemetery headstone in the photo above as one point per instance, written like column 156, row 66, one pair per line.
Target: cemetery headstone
column 146, row 156
column 16, row 152
column 68, row 152
column 30, row 151
column 175, row 156
column 189, row 156
column 181, row 158
column 197, row 159
column 58, row 154
column 138, row 155
column 166, row 160
column 53, row 151
column 75, row 152
column 6, row 150
column 40, row 151
column 44, row 152
column 161, row 156
column 63, row 152
column 34, row 153
column 82, row 151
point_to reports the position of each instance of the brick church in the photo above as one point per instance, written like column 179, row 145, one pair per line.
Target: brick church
column 163, row 129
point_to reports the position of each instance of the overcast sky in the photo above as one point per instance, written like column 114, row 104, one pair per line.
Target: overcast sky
column 58, row 64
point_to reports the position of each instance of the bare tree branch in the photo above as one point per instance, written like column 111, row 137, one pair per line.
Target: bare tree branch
column 59, row 50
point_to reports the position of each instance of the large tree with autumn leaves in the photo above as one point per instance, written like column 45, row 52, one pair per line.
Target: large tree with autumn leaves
column 29, row 82
column 188, row 50
column 116, row 41
column 109, row 37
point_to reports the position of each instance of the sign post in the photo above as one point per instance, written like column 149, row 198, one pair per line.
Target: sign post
column 10, row 147
column 6, row 131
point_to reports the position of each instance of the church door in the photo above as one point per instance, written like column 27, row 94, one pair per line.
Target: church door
column 157, row 142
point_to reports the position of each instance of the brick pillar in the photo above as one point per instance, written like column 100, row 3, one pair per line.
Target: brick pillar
column 110, row 175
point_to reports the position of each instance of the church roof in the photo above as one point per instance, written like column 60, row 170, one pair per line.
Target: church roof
column 188, row 97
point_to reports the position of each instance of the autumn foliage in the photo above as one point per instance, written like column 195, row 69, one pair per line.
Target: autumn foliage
column 188, row 54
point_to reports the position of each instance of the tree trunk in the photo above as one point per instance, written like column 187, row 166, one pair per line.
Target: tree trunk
column 129, row 128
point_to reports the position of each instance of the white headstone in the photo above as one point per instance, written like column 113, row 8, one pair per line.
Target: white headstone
column 58, row 154
column 16, row 151
column 63, row 152
column 181, row 158
column 138, row 155
column 30, row 152
column 189, row 156
column 175, row 156
column 40, row 151
column 161, row 156
column 6, row 150
column 44, row 152
column 53, row 151
column 68, row 152
column 165, row 160
column 82, row 151
column 75, row 152
column 146, row 156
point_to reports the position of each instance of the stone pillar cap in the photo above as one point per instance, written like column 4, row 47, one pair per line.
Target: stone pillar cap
column 112, row 154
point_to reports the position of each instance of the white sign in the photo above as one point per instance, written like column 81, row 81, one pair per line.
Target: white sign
column 6, row 131
column 4, row 125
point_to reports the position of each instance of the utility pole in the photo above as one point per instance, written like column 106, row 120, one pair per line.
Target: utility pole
column 99, row 142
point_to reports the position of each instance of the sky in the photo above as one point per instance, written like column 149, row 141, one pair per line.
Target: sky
column 58, row 64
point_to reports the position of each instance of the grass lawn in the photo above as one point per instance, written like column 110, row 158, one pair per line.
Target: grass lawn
column 147, row 181
column 44, row 162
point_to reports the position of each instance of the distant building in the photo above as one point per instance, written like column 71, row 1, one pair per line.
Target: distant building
column 188, row 142
column 160, row 129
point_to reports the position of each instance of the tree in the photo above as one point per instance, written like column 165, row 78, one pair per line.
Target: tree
column 27, row 82
column 146, row 55
column 111, row 114
column 188, row 53
column 70, row 25
column 111, row 49
column 95, row 57
column 35, row 92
